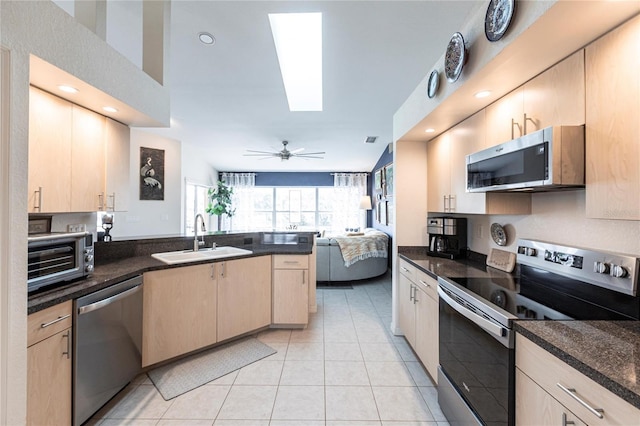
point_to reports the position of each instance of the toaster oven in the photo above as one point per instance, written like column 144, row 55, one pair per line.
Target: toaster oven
column 55, row 258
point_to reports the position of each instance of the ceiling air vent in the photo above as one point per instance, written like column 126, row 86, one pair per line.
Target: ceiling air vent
column 370, row 139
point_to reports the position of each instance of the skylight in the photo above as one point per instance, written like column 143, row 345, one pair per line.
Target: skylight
column 298, row 40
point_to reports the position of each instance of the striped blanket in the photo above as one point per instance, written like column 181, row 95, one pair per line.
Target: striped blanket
column 373, row 243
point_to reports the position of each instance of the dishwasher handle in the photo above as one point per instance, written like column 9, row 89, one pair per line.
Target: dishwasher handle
column 106, row 302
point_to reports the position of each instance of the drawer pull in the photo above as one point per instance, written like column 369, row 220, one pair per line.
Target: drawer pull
column 404, row 269
column 598, row 412
column 292, row 262
column 47, row 324
column 566, row 422
column 424, row 283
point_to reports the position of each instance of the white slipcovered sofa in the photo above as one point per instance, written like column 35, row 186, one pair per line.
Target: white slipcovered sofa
column 365, row 256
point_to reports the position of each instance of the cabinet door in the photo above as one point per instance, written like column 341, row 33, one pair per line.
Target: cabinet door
column 427, row 332
column 613, row 124
column 438, row 174
column 407, row 308
column 87, row 161
column 117, row 166
column 179, row 312
column 504, row 118
column 244, row 296
column 535, row 407
column 557, row 96
column 49, row 153
column 290, row 296
column 49, row 381
column 466, row 138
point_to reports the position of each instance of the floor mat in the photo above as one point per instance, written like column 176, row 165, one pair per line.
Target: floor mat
column 196, row 370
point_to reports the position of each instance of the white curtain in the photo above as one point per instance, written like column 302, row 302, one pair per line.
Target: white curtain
column 242, row 199
column 350, row 187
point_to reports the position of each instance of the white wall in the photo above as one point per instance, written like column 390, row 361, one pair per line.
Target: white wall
column 195, row 170
column 558, row 217
column 152, row 217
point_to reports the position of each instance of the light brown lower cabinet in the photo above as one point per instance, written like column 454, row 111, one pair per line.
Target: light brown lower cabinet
column 418, row 314
column 551, row 392
column 535, row 407
column 290, row 290
column 244, row 296
column 49, row 366
column 179, row 311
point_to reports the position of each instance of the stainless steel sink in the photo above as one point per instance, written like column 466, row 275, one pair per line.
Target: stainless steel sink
column 182, row 256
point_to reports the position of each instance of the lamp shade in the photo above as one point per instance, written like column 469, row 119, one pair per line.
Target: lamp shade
column 365, row 202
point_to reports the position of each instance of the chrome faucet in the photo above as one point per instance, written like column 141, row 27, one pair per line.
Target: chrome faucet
column 197, row 243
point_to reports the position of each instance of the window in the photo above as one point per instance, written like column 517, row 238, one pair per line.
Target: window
column 195, row 202
column 300, row 208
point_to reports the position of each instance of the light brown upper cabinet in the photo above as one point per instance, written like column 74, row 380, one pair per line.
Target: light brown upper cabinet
column 78, row 159
column 49, row 153
column 446, row 174
column 87, row 160
column 117, row 166
column 555, row 97
column 613, row 124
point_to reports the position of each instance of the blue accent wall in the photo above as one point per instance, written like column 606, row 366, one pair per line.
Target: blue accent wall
column 294, row 179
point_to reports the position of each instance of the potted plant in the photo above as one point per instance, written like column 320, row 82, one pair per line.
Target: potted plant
column 220, row 201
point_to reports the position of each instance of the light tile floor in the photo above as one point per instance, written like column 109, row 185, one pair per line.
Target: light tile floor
column 344, row 369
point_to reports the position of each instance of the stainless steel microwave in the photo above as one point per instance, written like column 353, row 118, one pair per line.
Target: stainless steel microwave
column 547, row 160
column 55, row 258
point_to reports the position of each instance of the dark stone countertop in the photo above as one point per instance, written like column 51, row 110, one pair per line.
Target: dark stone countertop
column 608, row 352
column 123, row 260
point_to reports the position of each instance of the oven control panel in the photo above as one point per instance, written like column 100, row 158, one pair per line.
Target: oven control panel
column 614, row 271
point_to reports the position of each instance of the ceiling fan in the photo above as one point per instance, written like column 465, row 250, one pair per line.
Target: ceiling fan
column 284, row 154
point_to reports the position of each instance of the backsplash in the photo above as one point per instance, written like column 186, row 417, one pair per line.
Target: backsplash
column 557, row 217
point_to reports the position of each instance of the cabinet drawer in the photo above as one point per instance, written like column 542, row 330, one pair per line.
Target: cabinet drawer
column 428, row 284
column 549, row 372
column 47, row 322
column 407, row 269
column 290, row 261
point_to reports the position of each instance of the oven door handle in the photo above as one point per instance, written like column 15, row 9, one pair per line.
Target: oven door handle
column 475, row 318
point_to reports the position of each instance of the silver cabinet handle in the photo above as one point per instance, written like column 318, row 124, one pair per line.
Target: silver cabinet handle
column 39, row 206
column 451, row 197
column 101, row 206
column 222, row 269
column 291, row 262
column 404, row 269
column 113, row 203
column 524, row 132
column 47, row 324
column 566, row 422
column 410, row 293
column 304, row 277
column 598, row 412
column 415, row 292
column 105, row 302
column 424, row 283
column 515, row 123
column 68, row 351
column 213, row 271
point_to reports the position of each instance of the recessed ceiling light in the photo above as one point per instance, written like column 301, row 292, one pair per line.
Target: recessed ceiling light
column 68, row 89
column 482, row 94
column 110, row 109
column 430, row 130
column 207, row 38
column 298, row 41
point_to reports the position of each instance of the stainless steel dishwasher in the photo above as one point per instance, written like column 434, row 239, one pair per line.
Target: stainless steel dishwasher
column 107, row 331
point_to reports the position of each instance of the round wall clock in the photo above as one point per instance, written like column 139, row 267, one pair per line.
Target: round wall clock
column 432, row 85
column 498, row 18
column 498, row 234
column 455, row 58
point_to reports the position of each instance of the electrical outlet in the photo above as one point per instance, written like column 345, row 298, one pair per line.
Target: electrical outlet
column 77, row 227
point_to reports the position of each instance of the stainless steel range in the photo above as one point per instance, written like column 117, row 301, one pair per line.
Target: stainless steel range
column 476, row 377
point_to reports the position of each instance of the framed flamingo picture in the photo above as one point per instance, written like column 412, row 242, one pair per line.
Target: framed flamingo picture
column 151, row 174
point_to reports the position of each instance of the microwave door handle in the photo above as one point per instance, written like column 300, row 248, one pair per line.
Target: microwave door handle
column 105, row 302
column 475, row 318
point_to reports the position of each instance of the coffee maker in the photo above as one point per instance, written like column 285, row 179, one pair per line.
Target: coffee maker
column 447, row 237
